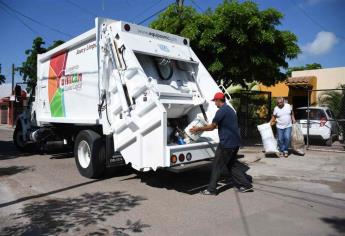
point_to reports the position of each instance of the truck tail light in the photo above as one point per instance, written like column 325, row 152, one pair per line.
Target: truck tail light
column 323, row 121
column 181, row 157
column 173, row 159
column 189, row 156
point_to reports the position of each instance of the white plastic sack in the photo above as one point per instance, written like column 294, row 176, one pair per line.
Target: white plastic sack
column 193, row 137
column 297, row 139
column 268, row 140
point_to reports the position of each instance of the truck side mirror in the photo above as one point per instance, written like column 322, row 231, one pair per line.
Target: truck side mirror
column 18, row 91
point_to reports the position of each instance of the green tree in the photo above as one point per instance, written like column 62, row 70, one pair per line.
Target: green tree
column 2, row 79
column 335, row 100
column 312, row 66
column 237, row 42
column 29, row 67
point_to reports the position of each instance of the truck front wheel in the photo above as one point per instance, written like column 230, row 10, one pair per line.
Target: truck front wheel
column 89, row 152
column 18, row 139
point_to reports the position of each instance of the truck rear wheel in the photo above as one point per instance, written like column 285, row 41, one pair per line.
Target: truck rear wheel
column 89, row 152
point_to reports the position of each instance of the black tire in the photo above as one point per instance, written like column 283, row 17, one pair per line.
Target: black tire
column 18, row 140
column 92, row 142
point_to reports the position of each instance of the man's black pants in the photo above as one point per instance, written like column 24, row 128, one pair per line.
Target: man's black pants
column 226, row 157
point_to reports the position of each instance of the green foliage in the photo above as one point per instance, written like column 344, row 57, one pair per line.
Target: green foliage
column 29, row 67
column 312, row 66
column 2, row 79
column 237, row 42
column 335, row 100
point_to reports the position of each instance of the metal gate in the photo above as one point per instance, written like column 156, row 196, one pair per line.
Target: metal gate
column 325, row 119
column 253, row 108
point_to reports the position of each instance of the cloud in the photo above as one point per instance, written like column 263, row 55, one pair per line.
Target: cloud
column 323, row 43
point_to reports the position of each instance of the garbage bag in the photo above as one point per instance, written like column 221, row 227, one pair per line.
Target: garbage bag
column 297, row 139
column 268, row 140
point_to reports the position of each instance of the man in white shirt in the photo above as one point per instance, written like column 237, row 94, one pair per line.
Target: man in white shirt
column 283, row 117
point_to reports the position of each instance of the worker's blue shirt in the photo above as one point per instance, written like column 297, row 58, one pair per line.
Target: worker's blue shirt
column 228, row 131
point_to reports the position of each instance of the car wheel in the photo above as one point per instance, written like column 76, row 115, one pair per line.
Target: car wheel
column 329, row 141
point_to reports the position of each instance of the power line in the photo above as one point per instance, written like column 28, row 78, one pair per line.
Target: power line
column 313, row 20
column 146, row 9
column 197, row 5
column 81, row 8
column 33, row 20
column 19, row 19
column 153, row 15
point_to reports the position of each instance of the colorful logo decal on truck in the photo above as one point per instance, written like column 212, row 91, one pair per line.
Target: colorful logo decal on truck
column 58, row 83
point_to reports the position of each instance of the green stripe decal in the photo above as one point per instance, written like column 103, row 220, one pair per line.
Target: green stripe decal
column 56, row 105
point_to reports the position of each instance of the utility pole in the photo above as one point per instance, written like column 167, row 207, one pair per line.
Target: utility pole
column 179, row 4
column 13, row 103
column 13, row 71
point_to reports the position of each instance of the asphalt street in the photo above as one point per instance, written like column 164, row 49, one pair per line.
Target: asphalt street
column 45, row 195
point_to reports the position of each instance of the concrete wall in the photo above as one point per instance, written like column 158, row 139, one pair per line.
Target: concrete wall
column 277, row 90
column 329, row 78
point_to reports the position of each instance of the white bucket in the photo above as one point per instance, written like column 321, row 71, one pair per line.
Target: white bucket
column 198, row 122
column 267, row 136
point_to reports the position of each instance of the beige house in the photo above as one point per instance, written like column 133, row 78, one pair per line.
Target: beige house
column 296, row 87
column 329, row 78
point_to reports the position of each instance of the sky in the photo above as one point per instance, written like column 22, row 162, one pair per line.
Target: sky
column 318, row 24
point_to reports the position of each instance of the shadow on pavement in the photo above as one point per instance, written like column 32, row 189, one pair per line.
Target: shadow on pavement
column 9, row 151
column 12, row 170
column 131, row 227
column 337, row 223
column 109, row 174
column 190, row 182
column 62, row 155
column 74, row 214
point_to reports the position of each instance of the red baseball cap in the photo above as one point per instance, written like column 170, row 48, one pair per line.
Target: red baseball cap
column 218, row 95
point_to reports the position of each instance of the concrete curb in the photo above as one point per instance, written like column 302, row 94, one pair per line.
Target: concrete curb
column 6, row 127
column 250, row 159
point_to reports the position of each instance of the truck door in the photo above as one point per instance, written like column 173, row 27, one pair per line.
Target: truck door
column 42, row 89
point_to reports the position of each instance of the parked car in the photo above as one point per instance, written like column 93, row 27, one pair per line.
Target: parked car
column 322, row 124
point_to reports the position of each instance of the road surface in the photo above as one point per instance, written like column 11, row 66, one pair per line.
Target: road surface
column 45, row 195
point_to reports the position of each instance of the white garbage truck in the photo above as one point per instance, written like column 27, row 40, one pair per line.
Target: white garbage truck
column 122, row 94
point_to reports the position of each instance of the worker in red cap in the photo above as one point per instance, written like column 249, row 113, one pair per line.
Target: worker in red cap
column 229, row 141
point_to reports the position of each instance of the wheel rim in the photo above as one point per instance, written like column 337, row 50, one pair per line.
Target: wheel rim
column 84, row 154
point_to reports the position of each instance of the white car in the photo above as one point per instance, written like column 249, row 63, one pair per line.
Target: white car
column 322, row 124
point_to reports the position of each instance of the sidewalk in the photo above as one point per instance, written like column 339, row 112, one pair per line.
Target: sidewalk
column 250, row 154
column 5, row 127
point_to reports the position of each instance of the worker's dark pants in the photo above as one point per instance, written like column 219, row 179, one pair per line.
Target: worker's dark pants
column 226, row 158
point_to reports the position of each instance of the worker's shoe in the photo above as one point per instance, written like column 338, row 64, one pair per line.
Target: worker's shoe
column 245, row 189
column 207, row 192
column 286, row 154
column 279, row 154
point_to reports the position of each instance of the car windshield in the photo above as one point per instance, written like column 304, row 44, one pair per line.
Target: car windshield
column 315, row 114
